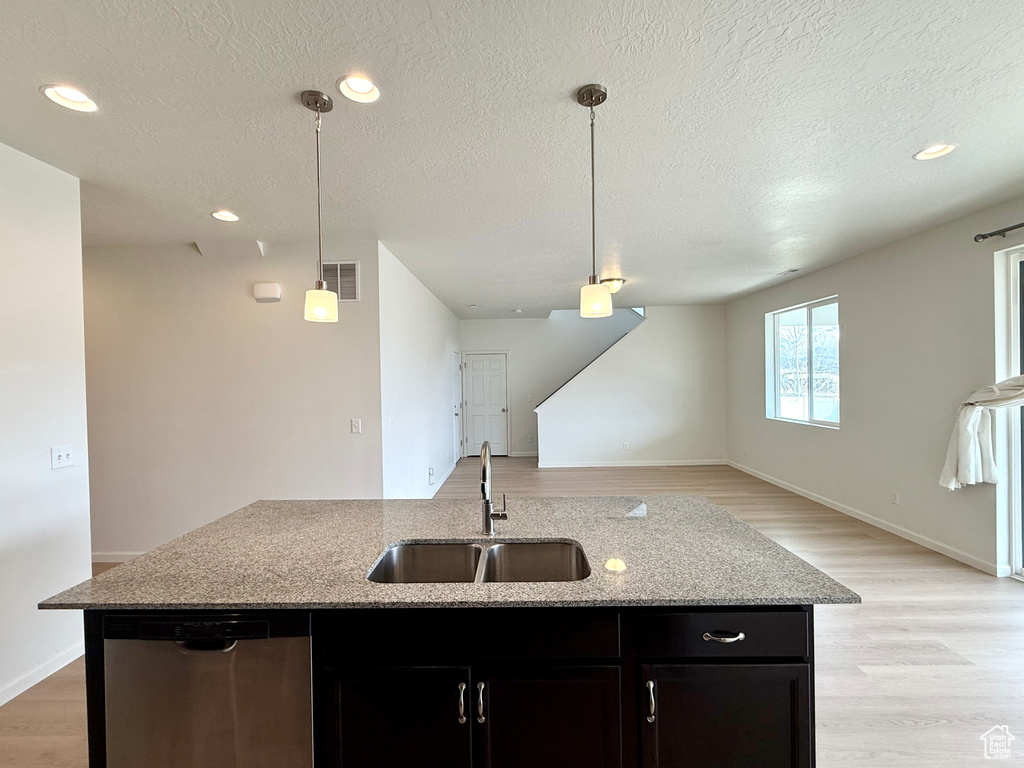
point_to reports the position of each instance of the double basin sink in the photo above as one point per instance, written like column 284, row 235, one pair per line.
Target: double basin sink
column 470, row 561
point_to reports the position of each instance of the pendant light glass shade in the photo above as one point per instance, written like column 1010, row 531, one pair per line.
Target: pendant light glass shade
column 321, row 306
column 595, row 301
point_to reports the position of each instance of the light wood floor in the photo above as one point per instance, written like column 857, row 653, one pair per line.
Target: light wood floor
column 913, row 677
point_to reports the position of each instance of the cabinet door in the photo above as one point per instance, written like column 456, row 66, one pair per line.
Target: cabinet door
column 726, row 716
column 547, row 718
column 403, row 718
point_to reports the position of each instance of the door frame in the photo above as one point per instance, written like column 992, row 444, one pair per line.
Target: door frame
column 508, row 397
column 457, row 386
column 1009, row 275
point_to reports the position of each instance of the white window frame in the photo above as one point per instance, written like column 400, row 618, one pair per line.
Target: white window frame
column 773, row 397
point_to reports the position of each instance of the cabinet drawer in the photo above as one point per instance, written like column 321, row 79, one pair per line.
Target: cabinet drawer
column 769, row 633
column 431, row 636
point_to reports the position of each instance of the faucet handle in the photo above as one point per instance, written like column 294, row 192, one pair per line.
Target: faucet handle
column 503, row 515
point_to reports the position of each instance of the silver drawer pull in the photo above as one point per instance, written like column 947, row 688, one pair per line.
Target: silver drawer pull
column 724, row 637
column 650, row 693
column 480, row 703
column 462, row 702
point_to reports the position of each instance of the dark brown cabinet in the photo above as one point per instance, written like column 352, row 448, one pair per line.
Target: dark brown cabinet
column 398, row 717
column 494, row 717
column 726, row 716
column 730, row 688
column 548, row 717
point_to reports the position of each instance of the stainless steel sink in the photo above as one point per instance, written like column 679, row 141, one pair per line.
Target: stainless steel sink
column 468, row 561
column 535, row 561
column 427, row 561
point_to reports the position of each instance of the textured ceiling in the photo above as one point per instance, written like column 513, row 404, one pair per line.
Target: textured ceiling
column 740, row 139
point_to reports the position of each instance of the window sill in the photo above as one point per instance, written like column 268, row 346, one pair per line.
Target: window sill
column 821, row 424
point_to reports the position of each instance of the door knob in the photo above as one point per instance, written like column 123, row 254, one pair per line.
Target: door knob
column 502, row 410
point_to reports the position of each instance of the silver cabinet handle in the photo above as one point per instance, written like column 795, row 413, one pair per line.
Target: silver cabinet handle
column 722, row 637
column 480, row 703
column 650, row 693
column 462, row 702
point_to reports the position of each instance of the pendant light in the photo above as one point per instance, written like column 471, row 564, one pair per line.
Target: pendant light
column 321, row 304
column 595, row 297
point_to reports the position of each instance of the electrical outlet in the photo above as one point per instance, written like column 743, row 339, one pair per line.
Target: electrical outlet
column 625, row 446
column 357, row 426
column 894, row 497
column 430, row 476
column 62, row 456
column 529, row 439
column 391, row 422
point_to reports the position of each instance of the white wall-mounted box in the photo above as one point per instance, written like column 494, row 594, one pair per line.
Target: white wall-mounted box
column 265, row 293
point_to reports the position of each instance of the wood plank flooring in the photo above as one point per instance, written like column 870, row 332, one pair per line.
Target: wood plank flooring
column 932, row 659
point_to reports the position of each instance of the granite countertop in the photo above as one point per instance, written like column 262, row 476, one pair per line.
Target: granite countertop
column 678, row 550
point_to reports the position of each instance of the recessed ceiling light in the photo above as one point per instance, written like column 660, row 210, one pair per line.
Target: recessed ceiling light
column 224, row 216
column 358, row 89
column 935, row 150
column 69, row 97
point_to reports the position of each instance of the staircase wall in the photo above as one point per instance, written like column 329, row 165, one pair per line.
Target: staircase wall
column 660, row 392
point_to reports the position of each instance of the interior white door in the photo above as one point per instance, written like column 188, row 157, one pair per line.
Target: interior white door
column 457, row 402
column 485, row 403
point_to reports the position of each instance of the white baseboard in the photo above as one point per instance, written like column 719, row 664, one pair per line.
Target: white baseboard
column 23, row 682
column 114, row 557
column 653, row 463
column 905, row 533
column 522, row 454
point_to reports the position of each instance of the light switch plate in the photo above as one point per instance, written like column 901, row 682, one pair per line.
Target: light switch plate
column 62, row 456
column 357, row 426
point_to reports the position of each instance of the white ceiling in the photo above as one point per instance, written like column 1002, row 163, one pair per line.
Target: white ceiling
column 740, row 138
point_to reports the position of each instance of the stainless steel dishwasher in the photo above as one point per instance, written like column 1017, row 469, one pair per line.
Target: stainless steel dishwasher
column 208, row 691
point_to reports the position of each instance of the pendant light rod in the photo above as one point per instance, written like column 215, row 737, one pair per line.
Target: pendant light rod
column 319, row 102
column 319, row 210
column 591, row 96
column 593, row 203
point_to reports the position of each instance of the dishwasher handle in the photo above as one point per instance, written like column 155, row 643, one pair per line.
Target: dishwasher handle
column 205, row 645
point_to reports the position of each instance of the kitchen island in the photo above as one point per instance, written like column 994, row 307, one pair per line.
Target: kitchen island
column 687, row 641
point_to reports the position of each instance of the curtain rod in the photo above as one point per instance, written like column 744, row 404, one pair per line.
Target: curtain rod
column 997, row 233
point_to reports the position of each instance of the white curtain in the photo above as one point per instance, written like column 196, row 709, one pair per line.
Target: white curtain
column 969, row 458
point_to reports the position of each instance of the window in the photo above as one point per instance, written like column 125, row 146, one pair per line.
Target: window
column 802, row 362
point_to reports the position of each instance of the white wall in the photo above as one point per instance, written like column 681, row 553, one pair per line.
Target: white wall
column 44, row 513
column 418, row 338
column 661, row 390
column 202, row 401
column 917, row 337
column 543, row 354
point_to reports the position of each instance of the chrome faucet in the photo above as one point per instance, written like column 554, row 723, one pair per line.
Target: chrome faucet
column 488, row 515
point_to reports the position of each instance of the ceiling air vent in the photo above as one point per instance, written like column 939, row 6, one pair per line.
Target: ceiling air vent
column 342, row 277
